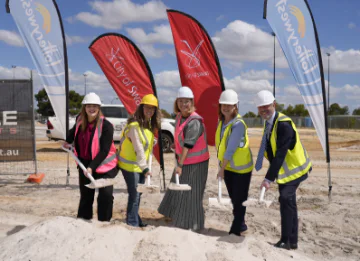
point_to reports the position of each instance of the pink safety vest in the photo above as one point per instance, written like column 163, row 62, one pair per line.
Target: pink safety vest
column 199, row 152
column 110, row 161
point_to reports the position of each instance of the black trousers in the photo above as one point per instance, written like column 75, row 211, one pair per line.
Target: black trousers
column 238, row 189
column 105, row 198
column 289, row 213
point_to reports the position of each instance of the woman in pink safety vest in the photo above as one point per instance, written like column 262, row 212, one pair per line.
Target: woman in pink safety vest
column 185, row 208
column 92, row 136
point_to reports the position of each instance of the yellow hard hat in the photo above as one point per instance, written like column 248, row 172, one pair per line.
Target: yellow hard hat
column 150, row 99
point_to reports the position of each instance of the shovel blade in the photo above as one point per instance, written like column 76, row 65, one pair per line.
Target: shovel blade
column 142, row 188
column 174, row 186
column 215, row 202
column 252, row 202
column 101, row 183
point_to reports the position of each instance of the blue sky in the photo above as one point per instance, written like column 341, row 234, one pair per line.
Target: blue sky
column 246, row 60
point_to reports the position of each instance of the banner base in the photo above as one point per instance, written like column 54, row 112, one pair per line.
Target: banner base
column 35, row 178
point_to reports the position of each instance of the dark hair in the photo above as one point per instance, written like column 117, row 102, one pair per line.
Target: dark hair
column 84, row 117
column 155, row 122
column 221, row 116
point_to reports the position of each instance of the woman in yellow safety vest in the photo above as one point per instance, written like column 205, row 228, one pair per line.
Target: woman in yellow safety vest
column 136, row 145
column 234, row 156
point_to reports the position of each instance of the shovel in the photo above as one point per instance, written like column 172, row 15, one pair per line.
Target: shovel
column 219, row 202
column 177, row 185
column 99, row 183
column 147, row 187
column 258, row 202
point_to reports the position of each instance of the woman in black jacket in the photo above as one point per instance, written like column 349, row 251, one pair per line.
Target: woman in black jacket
column 92, row 136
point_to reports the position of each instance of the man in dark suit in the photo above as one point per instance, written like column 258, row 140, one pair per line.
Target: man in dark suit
column 289, row 164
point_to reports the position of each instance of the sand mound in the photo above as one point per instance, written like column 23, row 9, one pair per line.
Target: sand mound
column 64, row 238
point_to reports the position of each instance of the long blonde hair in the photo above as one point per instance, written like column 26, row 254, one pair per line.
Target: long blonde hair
column 85, row 120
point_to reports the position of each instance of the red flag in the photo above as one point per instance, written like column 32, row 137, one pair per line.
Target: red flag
column 199, row 67
column 128, row 73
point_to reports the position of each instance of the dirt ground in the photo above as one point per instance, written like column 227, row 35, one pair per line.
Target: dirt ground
column 329, row 227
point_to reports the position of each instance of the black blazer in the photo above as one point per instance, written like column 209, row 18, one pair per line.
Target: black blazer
column 286, row 140
column 106, row 140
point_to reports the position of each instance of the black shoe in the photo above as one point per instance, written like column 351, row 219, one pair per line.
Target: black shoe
column 143, row 225
column 282, row 245
column 243, row 228
column 293, row 246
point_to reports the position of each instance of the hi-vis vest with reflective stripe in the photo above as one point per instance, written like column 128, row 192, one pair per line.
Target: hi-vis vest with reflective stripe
column 110, row 161
column 127, row 156
column 297, row 162
column 199, row 152
column 241, row 161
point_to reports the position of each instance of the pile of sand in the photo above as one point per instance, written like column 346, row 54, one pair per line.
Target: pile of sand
column 64, row 238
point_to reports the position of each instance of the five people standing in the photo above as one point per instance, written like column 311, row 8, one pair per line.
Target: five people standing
column 92, row 136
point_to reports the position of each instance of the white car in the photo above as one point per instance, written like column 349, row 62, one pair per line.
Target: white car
column 117, row 115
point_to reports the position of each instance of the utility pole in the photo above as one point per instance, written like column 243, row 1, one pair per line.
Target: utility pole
column 85, row 82
column 328, row 55
column 274, row 64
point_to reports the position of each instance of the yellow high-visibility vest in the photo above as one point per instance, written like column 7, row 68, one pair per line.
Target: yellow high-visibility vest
column 297, row 162
column 241, row 161
column 127, row 156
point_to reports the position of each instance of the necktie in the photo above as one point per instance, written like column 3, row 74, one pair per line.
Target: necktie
column 260, row 157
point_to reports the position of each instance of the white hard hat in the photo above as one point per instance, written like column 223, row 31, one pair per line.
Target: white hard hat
column 229, row 97
column 91, row 98
column 185, row 92
column 264, row 98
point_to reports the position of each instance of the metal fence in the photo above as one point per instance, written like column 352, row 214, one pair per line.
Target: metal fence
column 17, row 130
column 334, row 122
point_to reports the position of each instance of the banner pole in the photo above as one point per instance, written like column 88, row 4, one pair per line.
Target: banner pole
column 33, row 124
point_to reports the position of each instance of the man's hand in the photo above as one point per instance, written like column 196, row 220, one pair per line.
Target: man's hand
column 220, row 174
column 148, row 173
column 265, row 184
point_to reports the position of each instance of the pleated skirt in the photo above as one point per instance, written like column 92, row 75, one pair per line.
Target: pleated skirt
column 185, row 208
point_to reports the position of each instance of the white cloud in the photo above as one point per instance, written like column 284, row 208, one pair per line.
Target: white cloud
column 150, row 51
column 244, row 86
column 70, row 40
column 342, row 61
column 168, row 79
column 162, row 34
column 113, row 15
column 351, row 25
column 11, row 38
column 260, row 75
column 240, row 41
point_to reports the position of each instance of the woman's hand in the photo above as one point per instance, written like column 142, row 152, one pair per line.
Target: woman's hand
column 66, row 145
column 178, row 170
column 88, row 172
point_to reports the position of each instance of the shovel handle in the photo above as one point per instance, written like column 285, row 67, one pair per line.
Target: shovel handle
column 148, row 180
column 71, row 152
column 262, row 194
column 219, row 188
column 177, row 179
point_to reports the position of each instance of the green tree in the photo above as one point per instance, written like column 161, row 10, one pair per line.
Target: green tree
column 289, row 110
column 356, row 111
column 44, row 105
column 165, row 114
column 336, row 109
column 249, row 114
column 279, row 107
column 45, row 108
column 300, row 110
